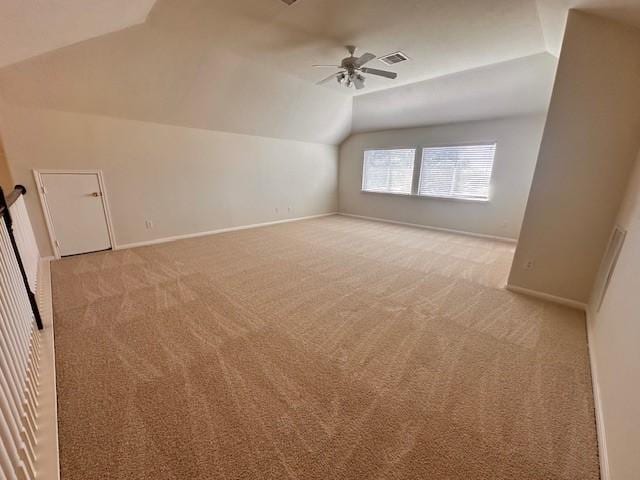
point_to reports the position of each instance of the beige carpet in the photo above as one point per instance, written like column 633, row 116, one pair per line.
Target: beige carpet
column 332, row 348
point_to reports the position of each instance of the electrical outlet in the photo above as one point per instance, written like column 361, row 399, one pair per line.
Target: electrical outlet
column 290, row 209
column 148, row 224
column 277, row 210
column 529, row 264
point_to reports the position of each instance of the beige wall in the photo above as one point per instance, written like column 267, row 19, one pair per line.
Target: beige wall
column 518, row 141
column 614, row 338
column 184, row 180
column 6, row 181
column 191, row 132
column 590, row 141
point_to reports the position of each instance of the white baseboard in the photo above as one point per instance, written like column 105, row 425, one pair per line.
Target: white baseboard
column 215, row 232
column 597, row 401
column 428, row 227
column 567, row 302
column 47, row 459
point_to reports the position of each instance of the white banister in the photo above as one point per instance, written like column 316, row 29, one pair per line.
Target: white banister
column 21, row 346
column 26, row 240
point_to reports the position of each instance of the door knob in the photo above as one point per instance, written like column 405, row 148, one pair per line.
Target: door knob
column 96, row 194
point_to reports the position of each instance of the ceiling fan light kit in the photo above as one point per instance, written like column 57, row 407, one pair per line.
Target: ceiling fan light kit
column 351, row 70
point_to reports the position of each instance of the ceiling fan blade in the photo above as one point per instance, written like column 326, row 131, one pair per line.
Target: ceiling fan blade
column 380, row 73
column 328, row 79
column 366, row 58
column 332, row 66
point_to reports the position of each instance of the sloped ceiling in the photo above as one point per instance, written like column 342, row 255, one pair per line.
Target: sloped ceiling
column 553, row 16
column 440, row 37
column 244, row 66
column 177, row 69
column 517, row 87
column 32, row 27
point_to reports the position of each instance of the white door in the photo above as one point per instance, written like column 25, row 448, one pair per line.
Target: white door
column 77, row 212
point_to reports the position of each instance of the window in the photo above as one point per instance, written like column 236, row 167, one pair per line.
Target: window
column 457, row 171
column 388, row 171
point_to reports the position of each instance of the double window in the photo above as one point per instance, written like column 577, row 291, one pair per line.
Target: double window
column 457, row 171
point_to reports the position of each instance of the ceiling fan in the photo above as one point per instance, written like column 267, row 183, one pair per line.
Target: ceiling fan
column 351, row 70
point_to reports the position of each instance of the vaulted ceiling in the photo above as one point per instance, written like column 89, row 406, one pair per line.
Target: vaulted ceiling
column 517, row 87
column 32, row 27
column 245, row 65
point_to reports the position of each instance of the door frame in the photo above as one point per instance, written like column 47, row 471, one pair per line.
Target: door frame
column 37, row 176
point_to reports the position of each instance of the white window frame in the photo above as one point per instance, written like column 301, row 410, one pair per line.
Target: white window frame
column 417, row 171
column 455, row 144
column 417, row 156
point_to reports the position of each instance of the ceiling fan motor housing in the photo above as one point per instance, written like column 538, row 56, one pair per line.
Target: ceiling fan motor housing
column 349, row 64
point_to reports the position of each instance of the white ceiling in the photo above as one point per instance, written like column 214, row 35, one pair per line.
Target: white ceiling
column 177, row 69
column 553, row 14
column 245, row 65
column 517, row 87
column 32, row 27
column 441, row 37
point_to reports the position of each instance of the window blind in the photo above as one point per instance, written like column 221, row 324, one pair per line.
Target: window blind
column 462, row 171
column 388, row 171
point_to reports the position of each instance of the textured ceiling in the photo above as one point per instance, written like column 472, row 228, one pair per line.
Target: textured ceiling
column 32, row 27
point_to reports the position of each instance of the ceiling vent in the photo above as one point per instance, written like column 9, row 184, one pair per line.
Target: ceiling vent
column 394, row 58
column 289, row 2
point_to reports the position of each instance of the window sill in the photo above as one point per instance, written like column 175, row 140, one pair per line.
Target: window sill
column 432, row 197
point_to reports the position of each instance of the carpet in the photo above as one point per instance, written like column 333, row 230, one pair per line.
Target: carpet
column 332, row 348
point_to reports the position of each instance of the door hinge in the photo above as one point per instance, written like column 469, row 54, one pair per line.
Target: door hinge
column 42, row 189
column 57, row 243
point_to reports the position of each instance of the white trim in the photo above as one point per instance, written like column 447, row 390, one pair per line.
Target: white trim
column 107, row 210
column 567, row 302
column 37, row 175
column 48, row 460
column 429, row 227
column 417, row 170
column 597, row 403
column 413, row 171
column 215, row 232
column 422, row 148
column 46, row 213
column 481, row 201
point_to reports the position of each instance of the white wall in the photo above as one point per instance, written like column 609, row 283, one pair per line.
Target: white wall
column 614, row 338
column 184, row 180
column 518, row 140
column 591, row 138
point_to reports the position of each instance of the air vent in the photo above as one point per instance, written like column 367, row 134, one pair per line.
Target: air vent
column 394, row 58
